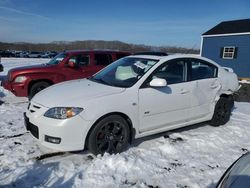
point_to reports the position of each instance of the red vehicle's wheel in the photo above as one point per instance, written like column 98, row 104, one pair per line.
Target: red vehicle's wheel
column 37, row 87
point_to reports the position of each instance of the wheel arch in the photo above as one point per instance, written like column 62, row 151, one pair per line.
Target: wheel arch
column 123, row 115
column 229, row 97
column 226, row 95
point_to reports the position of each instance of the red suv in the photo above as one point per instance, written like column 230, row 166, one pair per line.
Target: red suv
column 29, row 80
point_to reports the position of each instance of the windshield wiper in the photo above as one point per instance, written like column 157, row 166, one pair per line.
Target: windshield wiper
column 100, row 80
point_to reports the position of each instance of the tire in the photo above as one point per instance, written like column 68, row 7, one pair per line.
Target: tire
column 222, row 111
column 37, row 87
column 111, row 134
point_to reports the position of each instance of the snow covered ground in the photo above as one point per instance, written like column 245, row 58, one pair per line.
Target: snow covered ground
column 193, row 157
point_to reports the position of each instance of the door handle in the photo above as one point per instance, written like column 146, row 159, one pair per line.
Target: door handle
column 184, row 91
column 213, row 86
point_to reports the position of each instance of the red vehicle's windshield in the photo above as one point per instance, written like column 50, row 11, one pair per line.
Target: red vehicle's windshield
column 57, row 59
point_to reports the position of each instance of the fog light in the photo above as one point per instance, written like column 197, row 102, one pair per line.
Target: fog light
column 53, row 140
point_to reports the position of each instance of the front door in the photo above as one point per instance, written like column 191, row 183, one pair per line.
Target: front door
column 166, row 106
column 82, row 68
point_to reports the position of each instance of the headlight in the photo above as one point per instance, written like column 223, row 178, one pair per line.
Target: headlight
column 20, row 79
column 62, row 112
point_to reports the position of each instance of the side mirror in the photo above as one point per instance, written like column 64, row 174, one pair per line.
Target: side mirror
column 158, row 82
column 71, row 64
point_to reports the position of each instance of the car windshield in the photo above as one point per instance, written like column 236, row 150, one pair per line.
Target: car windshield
column 124, row 72
column 57, row 59
column 239, row 175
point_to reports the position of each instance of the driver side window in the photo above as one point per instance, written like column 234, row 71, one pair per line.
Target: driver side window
column 173, row 72
column 80, row 60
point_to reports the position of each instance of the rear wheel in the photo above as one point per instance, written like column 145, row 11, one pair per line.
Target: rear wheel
column 111, row 135
column 222, row 111
column 37, row 87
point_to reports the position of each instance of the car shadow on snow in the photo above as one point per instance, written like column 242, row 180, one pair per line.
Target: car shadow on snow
column 1, row 93
column 2, row 77
column 167, row 134
column 1, row 96
column 1, row 102
column 42, row 175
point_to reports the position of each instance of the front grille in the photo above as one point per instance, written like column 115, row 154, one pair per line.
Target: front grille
column 31, row 127
column 33, row 108
column 37, row 107
column 34, row 130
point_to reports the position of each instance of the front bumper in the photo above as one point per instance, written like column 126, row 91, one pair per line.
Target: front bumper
column 71, row 132
column 18, row 89
column 5, row 84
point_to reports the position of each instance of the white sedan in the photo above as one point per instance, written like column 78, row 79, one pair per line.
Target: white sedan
column 133, row 97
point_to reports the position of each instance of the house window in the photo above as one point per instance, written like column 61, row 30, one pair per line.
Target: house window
column 228, row 52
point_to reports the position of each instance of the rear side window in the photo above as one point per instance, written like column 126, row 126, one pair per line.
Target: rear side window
column 202, row 70
column 119, row 56
column 103, row 59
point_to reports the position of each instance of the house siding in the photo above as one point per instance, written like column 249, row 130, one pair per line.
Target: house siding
column 211, row 48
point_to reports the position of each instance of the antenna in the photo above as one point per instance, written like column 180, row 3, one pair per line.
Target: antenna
column 193, row 47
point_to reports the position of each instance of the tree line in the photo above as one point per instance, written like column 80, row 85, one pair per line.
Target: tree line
column 92, row 44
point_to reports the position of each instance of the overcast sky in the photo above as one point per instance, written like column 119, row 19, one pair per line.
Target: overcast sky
column 150, row 22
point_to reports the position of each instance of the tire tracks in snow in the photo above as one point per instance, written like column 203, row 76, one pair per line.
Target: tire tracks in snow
column 13, row 136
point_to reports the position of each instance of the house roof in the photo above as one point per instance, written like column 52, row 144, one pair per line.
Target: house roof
column 230, row 27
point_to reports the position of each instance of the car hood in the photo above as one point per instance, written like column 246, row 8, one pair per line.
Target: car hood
column 30, row 67
column 73, row 93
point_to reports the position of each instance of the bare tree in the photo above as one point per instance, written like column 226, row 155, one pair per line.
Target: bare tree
column 92, row 44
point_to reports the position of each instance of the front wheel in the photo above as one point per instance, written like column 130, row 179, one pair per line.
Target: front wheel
column 111, row 135
column 222, row 111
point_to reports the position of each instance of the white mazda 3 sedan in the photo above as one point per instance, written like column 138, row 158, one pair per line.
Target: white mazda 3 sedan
column 133, row 97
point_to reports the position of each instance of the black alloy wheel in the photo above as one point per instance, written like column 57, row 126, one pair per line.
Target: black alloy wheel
column 110, row 135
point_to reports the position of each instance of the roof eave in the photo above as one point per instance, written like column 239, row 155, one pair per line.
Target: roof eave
column 225, row 34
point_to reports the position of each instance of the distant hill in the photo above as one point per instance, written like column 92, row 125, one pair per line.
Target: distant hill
column 92, row 44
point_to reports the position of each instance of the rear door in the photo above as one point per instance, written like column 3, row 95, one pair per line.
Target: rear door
column 204, row 76
column 101, row 60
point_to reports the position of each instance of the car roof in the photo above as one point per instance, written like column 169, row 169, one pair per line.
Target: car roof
column 153, row 57
column 96, row 50
column 151, row 53
column 167, row 57
column 174, row 56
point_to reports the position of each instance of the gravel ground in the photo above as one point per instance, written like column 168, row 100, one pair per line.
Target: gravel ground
column 243, row 95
